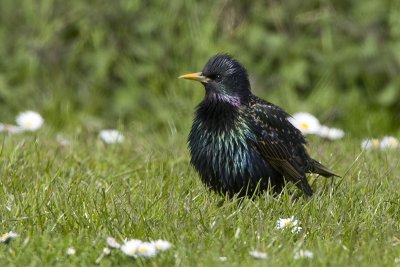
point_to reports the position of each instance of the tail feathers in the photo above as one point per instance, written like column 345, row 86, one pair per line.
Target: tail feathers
column 321, row 169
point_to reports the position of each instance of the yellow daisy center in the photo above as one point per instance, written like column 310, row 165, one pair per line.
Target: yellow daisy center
column 288, row 223
column 4, row 237
column 375, row 142
column 304, row 125
column 143, row 249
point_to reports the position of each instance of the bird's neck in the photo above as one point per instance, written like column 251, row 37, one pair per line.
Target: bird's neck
column 223, row 100
column 219, row 111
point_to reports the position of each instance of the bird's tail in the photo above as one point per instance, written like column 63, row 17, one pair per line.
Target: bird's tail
column 322, row 170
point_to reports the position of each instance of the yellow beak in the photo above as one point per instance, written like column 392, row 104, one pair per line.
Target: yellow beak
column 195, row 76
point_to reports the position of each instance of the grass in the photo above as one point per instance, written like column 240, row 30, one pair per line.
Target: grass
column 86, row 66
column 58, row 197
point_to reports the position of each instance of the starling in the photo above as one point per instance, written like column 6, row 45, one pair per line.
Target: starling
column 241, row 144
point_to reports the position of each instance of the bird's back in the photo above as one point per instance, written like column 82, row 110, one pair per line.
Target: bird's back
column 281, row 144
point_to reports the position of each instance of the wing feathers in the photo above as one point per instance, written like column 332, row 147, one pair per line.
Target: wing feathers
column 281, row 144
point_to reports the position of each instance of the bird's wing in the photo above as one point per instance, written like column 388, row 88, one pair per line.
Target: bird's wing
column 279, row 142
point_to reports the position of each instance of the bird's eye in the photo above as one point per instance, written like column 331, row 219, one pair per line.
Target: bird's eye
column 215, row 77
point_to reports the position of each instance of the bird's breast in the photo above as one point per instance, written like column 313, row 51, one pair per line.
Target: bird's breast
column 225, row 157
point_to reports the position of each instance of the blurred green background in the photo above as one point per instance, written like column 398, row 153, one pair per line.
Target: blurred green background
column 97, row 64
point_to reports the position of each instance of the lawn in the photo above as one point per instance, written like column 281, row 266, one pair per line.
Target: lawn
column 61, row 196
column 93, row 65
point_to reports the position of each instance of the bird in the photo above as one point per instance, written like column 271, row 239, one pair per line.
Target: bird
column 243, row 145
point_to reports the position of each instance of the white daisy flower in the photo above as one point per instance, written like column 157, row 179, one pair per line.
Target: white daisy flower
column 106, row 251
column 296, row 229
column 112, row 243
column 368, row 144
column 147, row 250
column 130, row 247
column 29, row 120
column 289, row 223
column 162, row 245
column 71, row 251
column 388, row 142
column 305, row 122
column 12, row 129
column 303, row 254
column 330, row 133
column 286, row 223
column 5, row 238
column 222, row 259
column 258, row 255
column 111, row 136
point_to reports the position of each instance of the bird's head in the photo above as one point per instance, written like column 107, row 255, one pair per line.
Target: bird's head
column 223, row 78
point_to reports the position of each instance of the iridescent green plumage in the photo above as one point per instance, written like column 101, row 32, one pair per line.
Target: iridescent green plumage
column 240, row 143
